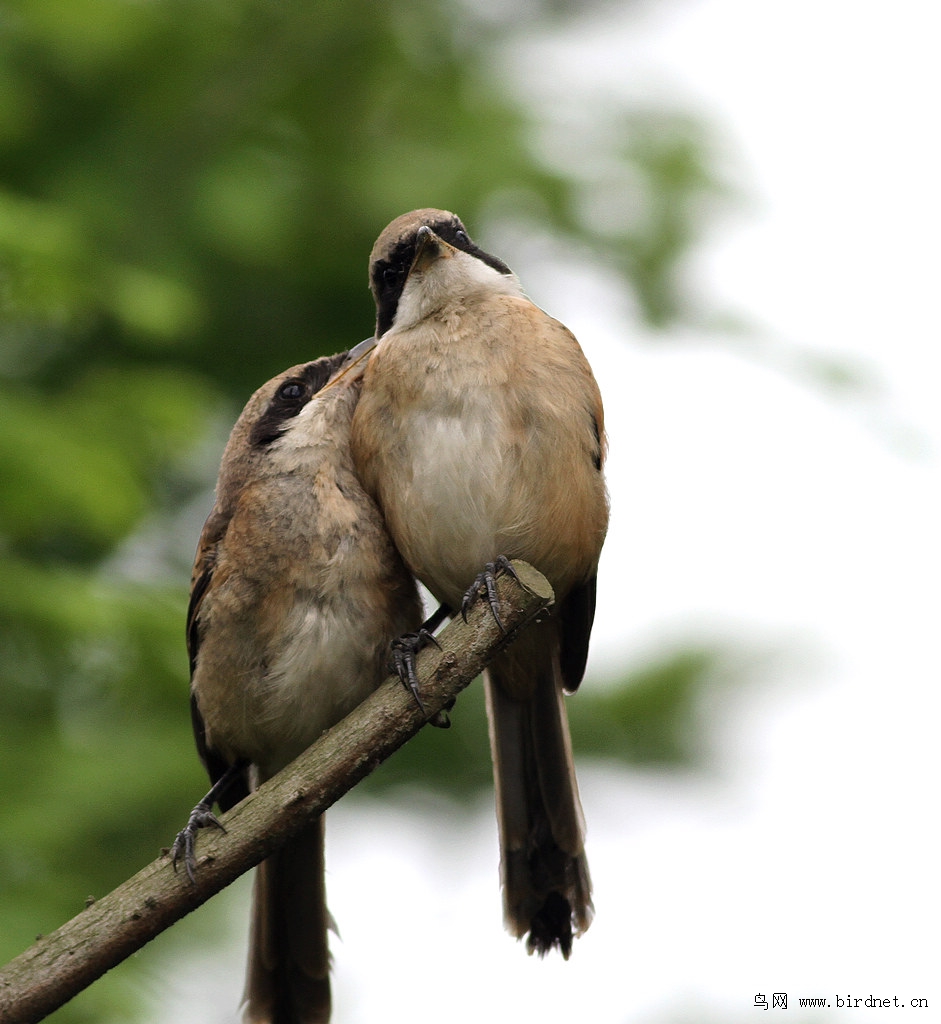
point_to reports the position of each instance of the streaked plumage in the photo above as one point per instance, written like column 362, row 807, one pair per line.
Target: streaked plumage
column 297, row 592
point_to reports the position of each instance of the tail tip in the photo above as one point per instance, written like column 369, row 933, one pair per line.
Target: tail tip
column 551, row 927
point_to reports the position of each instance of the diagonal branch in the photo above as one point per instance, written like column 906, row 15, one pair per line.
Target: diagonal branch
column 58, row 966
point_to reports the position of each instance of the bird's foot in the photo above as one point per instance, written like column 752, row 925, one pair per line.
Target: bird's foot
column 184, row 846
column 484, row 585
column 404, row 654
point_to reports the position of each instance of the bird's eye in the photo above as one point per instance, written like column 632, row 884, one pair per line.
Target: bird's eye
column 461, row 237
column 292, row 391
column 390, row 275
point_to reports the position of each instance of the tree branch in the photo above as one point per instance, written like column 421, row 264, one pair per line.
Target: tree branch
column 58, row 966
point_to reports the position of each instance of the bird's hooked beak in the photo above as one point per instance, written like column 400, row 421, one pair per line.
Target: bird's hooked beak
column 353, row 365
column 430, row 247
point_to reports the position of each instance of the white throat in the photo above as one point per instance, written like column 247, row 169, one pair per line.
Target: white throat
column 451, row 277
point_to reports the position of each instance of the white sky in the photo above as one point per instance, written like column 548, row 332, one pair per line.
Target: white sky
column 748, row 506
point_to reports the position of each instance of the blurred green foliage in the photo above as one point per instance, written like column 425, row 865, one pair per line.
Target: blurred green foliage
column 188, row 193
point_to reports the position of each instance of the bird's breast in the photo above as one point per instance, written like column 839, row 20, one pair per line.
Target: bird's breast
column 298, row 635
column 473, row 452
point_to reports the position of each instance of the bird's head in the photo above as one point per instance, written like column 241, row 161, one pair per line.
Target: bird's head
column 306, row 406
column 422, row 260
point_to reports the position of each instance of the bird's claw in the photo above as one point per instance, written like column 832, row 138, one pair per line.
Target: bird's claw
column 404, row 653
column 184, row 846
column 485, row 585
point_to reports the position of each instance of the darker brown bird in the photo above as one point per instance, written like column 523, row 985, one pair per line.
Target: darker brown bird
column 297, row 592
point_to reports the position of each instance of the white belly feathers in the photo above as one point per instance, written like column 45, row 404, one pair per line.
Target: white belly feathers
column 313, row 682
column 461, row 460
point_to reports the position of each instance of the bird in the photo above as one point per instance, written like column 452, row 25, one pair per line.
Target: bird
column 480, row 434
column 297, row 592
